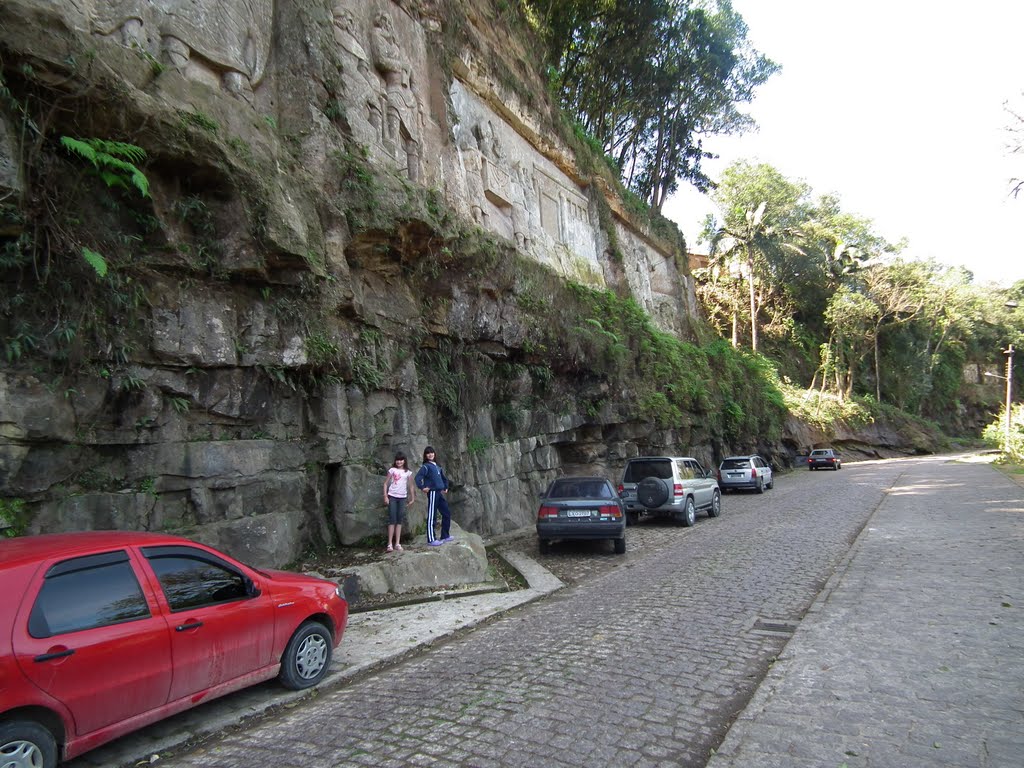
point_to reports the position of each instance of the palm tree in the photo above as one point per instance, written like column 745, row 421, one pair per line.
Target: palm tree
column 751, row 245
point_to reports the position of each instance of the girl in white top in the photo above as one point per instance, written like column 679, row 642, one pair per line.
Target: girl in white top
column 398, row 492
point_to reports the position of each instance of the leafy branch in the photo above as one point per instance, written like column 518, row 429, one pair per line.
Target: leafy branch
column 113, row 161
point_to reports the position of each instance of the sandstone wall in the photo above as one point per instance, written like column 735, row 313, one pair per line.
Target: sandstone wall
column 303, row 305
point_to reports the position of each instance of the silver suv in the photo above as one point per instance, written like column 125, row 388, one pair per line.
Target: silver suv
column 751, row 472
column 669, row 486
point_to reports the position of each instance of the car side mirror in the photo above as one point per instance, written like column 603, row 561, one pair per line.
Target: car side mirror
column 251, row 590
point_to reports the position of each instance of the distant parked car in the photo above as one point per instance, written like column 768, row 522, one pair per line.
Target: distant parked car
column 581, row 508
column 824, row 457
column 105, row 632
column 669, row 486
column 750, row 472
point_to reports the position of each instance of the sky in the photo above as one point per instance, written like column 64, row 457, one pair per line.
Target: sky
column 897, row 107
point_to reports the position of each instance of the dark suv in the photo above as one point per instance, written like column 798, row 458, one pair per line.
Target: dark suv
column 669, row 486
column 824, row 457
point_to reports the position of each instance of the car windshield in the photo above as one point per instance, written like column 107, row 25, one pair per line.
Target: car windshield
column 736, row 464
column 638, row 470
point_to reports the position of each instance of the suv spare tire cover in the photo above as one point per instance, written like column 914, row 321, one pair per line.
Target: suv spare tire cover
column 652, row 492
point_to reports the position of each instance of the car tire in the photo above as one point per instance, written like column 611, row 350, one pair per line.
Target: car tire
column 652, row 492
column 632, row 518
column 307, row 656
column 716, row 505
column 760, row 485
column 26, row 742
column 839, row 465
column 543, row 546
column 771, row 483
column 687, row 516
column 620, row 545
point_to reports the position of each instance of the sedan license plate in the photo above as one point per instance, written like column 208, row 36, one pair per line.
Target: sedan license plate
column 578, row 513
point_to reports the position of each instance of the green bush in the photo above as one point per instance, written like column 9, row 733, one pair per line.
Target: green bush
column 995, row 434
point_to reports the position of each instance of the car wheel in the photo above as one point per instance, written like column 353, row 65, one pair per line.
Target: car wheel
column 839, row 465
column 620, row 545
column 652, row 492
column 632, row 518
column 760, row 485
column 771, row 483
column 307, row 656
column 716, row 505
column 543, row 546
column 27, row 744
column 688, row 516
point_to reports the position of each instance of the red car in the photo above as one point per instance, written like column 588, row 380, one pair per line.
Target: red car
column 105, row 632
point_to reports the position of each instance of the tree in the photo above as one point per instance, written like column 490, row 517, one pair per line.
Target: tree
column 1016, row 144
column 761, row 211
column 650, row 79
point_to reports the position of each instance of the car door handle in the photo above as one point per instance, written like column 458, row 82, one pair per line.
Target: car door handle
column 54, row 655
column 186, row 627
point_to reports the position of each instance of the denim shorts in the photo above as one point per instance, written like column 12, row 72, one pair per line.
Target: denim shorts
column 396, row 510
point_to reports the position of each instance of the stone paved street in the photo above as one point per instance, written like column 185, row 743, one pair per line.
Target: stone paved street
column 644, row 661
column 914, row 654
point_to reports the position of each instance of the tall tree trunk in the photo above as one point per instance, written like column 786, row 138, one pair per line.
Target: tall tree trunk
column 878, row 370
column 753, row 299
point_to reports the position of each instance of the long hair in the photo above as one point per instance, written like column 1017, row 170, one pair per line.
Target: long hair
column 401, row 457
column 429, row 449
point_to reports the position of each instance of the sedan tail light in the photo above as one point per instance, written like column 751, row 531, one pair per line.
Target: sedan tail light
column 610, row 511
column 547, row 512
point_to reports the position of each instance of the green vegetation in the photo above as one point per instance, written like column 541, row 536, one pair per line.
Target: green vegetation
column 477, row 445
column 816, row 289
column 14, row 517
column 1010, row 443
column 645, row 81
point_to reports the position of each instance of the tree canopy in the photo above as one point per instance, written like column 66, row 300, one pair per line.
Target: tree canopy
column 650, row 79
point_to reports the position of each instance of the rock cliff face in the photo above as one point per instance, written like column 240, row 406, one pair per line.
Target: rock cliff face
column 360, row 235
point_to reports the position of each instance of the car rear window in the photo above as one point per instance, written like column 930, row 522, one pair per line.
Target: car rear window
column 575, row 489
column 736, row 464
column 820, row 453
column 638, row 470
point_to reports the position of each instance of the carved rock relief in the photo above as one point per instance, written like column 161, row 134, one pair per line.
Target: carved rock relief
column 512, row 190
column 653, row 279
column 383, row 91
column 216, row 41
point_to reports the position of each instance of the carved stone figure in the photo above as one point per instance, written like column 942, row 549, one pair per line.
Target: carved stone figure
column 520, row 217
column 495, row 170
column 402, row 123
column 531, row 212
column 472, row 166
column 229, row 39
column 365, row 89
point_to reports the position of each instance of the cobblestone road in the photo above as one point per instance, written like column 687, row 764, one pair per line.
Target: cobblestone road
column 643, row 661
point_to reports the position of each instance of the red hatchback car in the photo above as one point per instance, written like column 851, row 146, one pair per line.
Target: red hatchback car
column 105, row 632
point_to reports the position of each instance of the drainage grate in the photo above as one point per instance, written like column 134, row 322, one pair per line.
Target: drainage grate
column 786, row 628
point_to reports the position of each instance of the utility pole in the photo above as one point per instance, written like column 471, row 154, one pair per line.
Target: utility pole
column 1009, row 399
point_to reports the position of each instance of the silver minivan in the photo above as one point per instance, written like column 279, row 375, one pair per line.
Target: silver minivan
column 750, row 472
column 669, row 486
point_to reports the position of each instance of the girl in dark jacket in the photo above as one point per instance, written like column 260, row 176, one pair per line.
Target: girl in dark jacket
column 431, row 478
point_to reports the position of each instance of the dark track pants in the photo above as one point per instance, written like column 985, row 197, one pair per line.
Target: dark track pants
column 438, row 504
